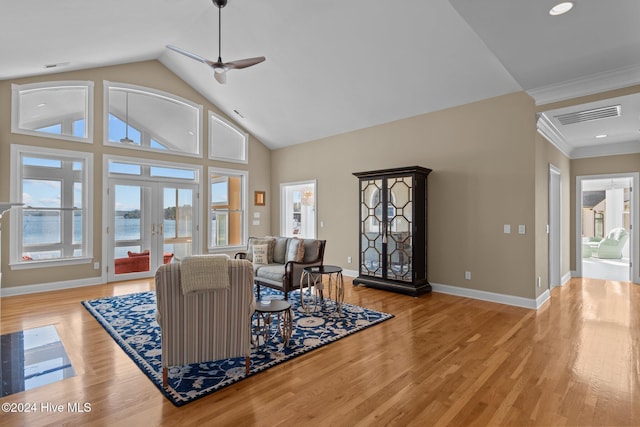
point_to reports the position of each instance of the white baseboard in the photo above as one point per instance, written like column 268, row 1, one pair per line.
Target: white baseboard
column 52, row 286
column 491, row 296
column 565, row 279
column 350, row 273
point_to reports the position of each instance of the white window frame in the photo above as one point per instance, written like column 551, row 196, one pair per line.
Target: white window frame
column 160, row 94
column 16, row 245
column 213, row 117
column 244, row 207
column 15, row 108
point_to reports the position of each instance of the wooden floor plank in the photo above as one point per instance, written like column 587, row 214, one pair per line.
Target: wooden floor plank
column 442, row 360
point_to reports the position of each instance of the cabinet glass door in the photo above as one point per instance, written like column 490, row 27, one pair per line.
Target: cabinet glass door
column 371, row 223
column 400, row 223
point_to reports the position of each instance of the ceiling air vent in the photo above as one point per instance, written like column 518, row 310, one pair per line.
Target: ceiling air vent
column 589, row 115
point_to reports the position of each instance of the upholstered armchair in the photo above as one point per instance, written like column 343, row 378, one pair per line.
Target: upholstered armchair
column 611, row 246
column 206, row 325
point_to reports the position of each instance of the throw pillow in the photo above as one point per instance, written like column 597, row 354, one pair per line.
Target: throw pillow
column 280, row 249
column 295, row 250
column 311, row 250
column 260, row 254
column 270, row 242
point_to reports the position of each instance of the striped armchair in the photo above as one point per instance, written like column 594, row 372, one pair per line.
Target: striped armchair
column 205, row 326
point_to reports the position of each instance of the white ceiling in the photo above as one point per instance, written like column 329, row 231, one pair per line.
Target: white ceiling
column 336, row 66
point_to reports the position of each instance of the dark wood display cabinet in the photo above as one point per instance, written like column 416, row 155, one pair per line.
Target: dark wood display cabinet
column 393, row 230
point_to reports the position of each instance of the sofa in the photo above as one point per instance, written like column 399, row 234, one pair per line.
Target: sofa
column 278, row 261
column 608, row 248
column 137, row 261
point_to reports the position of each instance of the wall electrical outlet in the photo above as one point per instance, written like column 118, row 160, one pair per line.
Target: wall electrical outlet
column 96, row 266
column 349, row 260
column 467, row 275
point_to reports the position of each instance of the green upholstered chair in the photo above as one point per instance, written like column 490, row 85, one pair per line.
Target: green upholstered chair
column 611, row 246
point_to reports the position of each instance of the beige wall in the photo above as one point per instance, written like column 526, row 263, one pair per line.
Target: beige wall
column 482, row 156
column 547, row 154
column 149, row 74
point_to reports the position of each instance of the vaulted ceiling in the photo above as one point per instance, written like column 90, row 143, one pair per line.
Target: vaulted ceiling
column 336, row 66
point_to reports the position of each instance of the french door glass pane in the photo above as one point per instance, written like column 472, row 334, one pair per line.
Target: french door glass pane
column 130, row 246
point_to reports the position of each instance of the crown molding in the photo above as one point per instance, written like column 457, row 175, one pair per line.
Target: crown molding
column 549, row 131
column 589, row 85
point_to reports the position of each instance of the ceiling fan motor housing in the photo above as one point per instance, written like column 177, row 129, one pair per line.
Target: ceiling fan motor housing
column 220, row 3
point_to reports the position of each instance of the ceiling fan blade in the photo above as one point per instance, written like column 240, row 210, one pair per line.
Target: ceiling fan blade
column 221, row 77
column 244, row 63
column 189, row 54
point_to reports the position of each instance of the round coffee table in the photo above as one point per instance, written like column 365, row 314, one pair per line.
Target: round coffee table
column 312, row 277
column 266, row 313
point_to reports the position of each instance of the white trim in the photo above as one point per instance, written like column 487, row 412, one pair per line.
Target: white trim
column 554, row 227
column 350, row 273
column 51, row 286
column 15, row 108
column 245, row 207
column 15, row 236
column 565, row 279
column 160, row 94
column 107, row 211
column 489, row 296
column 595, row 83
column 283, row 204
column 547, row 129
column 629, row 147
column 634, row 248
column 213, row 116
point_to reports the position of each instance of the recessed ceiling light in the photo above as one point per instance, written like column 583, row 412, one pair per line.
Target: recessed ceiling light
column 604, row 135
column 41, row 105
column 561, row 8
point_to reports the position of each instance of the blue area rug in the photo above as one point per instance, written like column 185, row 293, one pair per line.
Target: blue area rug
column 130, row 320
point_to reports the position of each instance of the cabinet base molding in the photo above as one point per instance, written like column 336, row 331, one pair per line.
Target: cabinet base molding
column 414, row 289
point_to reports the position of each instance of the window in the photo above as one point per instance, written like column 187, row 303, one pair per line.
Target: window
column 61, row 110
column 55, row 223
column 228, row 201
column 226, row 142
column 147, row 119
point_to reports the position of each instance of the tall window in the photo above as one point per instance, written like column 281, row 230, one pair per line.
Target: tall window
column 227, row 201
column 55, row 222
column 61, row 110
column 226, row 141
column 148, row 119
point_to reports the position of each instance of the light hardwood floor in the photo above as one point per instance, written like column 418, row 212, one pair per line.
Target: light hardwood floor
column 442, row 361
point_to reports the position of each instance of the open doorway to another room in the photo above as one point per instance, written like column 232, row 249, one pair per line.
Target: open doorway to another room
column 606, row 205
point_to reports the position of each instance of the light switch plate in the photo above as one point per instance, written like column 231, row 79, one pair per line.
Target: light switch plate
column 522, row 229
column 507, row 229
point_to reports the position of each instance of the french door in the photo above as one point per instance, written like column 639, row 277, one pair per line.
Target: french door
column 150, row 223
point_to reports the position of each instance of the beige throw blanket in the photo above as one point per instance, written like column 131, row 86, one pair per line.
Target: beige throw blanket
column 204, row 273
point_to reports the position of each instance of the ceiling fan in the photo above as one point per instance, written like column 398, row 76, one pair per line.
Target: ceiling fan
column 218, row 66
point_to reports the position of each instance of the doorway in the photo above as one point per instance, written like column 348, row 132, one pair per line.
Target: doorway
column 298, row 209
column 555, row 227
column 606, row 237
column 152, row 218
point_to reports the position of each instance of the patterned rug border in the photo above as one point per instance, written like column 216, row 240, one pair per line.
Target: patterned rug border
column 174, row 396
